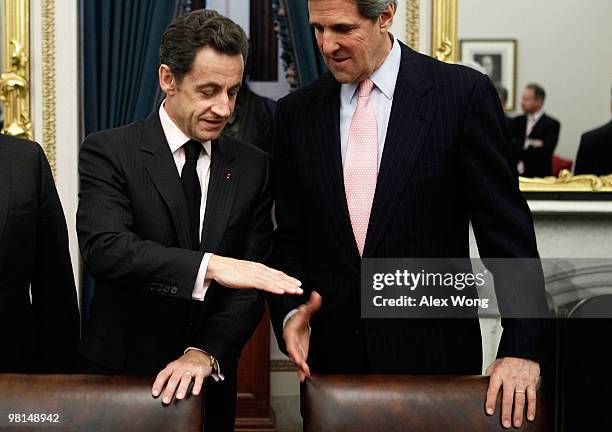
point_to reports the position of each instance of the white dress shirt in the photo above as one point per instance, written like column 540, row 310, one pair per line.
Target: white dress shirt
column 530, row 124
column 176, row 139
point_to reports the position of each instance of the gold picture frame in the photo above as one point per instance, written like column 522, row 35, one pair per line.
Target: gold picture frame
column 15, row 68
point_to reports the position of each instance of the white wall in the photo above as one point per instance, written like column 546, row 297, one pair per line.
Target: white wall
column 67, row 108
column 564, row 45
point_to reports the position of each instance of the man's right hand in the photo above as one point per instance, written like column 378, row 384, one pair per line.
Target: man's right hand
column 234, row 273
column 297, row 334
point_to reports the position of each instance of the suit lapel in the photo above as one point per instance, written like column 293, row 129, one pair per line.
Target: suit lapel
column 539, row 125
column 161, row 167
column 222, row 189
column 5, row 188
column 328, row 165
column 409, row 122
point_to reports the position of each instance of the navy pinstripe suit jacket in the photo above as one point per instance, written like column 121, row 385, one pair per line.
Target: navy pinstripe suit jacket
column 447, row 160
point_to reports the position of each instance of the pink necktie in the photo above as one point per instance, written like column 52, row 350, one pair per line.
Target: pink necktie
column 361, row 163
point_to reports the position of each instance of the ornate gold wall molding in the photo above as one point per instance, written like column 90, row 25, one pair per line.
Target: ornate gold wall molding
column 48, row 84
column 566, row 182
column 444, row 30
column 412, row 23
column 15, row 72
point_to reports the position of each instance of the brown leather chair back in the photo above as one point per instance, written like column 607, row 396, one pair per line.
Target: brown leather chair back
column 94, row 403
column 380, row 403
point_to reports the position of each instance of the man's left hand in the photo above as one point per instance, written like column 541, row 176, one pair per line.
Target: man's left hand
column 193, row 364
column 518, row 379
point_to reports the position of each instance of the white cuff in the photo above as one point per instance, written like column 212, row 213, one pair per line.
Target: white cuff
column 289, row 315
column 216, row 372
column 201, row 283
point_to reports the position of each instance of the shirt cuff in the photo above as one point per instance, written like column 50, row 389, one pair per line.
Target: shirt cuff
column 289, row 315
column 216, row 372
column 201, row 283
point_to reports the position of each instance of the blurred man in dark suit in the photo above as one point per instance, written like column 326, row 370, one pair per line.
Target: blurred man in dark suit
column 595, row 151
column 391, row 154
column 535, row 134
column 39, row 317
column 171, row 219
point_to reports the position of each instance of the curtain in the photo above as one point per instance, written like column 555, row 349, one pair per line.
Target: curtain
column 120, row 56
column 300, row 54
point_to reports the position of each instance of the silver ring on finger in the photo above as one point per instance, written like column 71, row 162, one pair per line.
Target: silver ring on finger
column 519, row 391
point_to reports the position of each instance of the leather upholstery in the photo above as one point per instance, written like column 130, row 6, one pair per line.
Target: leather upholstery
column 404, row 403
column 95, row 403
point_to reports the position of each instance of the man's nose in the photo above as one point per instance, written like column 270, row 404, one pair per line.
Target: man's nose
column 222, row 107
column 329, row 43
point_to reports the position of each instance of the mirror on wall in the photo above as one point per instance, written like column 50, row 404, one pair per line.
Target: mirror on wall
column 564, row 47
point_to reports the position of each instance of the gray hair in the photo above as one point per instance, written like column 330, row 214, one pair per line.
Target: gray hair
column 372, row 9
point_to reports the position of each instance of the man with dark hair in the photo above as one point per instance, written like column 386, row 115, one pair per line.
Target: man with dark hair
column 391, row 154
column 171, row 219
column 535, row 134
column 39, row 315
column 595, row 150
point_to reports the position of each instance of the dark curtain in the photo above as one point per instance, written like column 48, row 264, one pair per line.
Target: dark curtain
column 120, row 53
column 300, row 54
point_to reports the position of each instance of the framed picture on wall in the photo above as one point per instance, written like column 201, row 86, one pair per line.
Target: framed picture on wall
column 497, row 58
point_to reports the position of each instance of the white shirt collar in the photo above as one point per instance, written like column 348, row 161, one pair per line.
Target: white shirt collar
column 536, row 115
column 384, row 78
column 174, row 135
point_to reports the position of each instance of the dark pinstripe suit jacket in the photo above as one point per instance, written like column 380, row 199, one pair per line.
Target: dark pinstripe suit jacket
column 133, row 228
column 446, row 160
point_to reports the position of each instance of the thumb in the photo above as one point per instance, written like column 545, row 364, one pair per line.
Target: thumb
column 314, row 302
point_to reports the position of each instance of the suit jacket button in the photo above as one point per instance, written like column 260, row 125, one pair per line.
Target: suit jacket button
column 159, row 288
column 174, row 290
column 165, row 290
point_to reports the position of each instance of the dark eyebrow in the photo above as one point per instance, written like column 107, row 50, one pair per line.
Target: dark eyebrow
column 339, row 27
column 207, row 85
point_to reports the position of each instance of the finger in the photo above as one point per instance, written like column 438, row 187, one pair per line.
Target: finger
column 160, row 380
column 197, row 384
column 184, row 385
column 295, row 354
column 519, row 406
column 314, row 302
column 506, row 407
column 531, row 403
column 286, row 283
column 492, row 391
column 171, row 387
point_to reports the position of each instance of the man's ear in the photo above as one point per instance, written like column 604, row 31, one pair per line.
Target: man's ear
column 167, row 81
column 386, row 18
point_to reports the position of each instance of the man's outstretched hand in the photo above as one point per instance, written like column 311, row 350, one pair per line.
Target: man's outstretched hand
column 297, row 334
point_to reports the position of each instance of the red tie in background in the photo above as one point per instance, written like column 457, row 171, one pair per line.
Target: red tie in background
column 361, row 163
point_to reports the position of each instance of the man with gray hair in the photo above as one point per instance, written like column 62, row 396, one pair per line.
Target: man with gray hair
column 391, row 154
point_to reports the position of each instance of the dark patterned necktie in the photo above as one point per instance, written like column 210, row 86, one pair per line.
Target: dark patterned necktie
column 191, row 186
